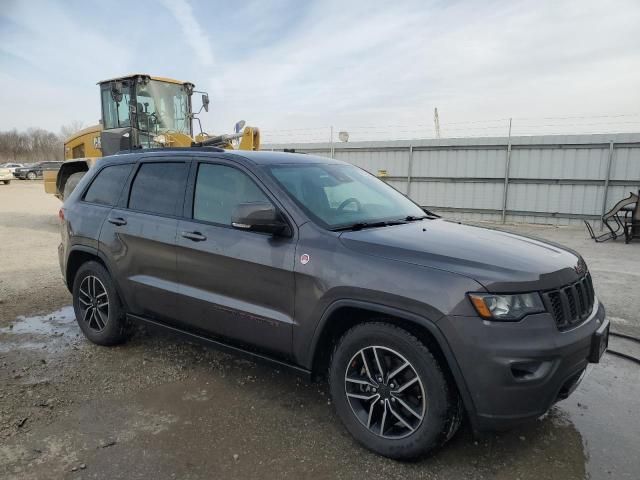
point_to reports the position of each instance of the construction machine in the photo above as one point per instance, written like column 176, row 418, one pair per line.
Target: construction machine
column 141, row 111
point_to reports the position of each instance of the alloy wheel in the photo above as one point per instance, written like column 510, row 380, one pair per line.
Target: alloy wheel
column 385, row 392
column 94, row 303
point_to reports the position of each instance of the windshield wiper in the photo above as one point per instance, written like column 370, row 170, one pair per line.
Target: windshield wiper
column 414, row 218
column 362, row 225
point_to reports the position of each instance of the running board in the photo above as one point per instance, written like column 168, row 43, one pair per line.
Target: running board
column 224, row 347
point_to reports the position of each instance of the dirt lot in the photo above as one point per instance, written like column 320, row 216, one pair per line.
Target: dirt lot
column 158, row 407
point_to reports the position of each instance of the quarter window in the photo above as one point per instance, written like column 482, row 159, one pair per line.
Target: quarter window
column 158, row 188
column 219, row 189
column 106, row 187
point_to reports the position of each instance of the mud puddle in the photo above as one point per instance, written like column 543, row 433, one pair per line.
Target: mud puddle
column 52, row 331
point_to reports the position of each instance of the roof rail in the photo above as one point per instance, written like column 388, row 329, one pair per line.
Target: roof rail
column 171, row 149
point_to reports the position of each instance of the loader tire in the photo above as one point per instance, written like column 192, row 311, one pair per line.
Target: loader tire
column 72, row 183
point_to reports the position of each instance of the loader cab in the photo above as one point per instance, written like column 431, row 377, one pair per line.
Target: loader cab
column 141, row 111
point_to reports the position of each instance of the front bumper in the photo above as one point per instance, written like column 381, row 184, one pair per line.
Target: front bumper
column 5, row 177
column 515, row 371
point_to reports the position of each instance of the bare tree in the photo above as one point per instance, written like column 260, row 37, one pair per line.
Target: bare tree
column 34, row 145
column 71, row 128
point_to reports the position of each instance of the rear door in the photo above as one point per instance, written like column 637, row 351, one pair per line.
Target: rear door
column 233, row 283
column 86, row 216
column 139, row 237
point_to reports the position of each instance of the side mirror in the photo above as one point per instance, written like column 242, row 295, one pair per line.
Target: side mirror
column 205, row 102
column 259, row 217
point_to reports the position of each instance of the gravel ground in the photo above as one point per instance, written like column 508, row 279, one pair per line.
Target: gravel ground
column 159, row 407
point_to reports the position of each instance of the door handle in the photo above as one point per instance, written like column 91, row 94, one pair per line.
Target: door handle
column 195, row 236
column 117, row 221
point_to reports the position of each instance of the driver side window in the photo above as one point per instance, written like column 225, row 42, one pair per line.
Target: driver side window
column 219, row 189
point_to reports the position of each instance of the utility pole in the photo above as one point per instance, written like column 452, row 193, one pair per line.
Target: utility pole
column 436, row 122
column 331, row 147
column 506, row 175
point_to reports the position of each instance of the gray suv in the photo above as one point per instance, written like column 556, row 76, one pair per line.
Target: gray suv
column 314, row 264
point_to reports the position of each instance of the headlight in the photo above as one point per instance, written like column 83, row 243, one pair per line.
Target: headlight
column 506, row 307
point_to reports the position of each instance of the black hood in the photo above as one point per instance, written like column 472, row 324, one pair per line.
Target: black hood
column 500, row 261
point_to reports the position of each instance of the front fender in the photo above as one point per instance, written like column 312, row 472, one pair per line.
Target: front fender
column 430, row 325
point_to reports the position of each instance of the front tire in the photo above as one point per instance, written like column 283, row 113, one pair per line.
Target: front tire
column 391, row 393
column 7, row 182
column 98, row 308
column 32, row 176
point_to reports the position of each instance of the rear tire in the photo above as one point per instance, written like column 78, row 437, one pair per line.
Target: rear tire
column 7, row 182
column 72, row 183
column 98, row 308
column 413, row 408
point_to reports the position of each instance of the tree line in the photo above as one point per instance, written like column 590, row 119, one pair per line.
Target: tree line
column 34, row 144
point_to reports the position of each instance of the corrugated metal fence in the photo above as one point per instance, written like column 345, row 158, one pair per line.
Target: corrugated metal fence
column 554, row 179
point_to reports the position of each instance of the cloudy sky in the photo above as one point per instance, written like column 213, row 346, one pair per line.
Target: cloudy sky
column 287, row 65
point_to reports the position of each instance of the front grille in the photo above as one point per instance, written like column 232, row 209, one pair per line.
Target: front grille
column 571, row 304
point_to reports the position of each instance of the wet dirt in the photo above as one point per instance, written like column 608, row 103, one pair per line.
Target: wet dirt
column 159, row 407
column 39, row 332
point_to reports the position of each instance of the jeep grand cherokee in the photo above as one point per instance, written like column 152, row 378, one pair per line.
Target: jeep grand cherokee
column 315, row 264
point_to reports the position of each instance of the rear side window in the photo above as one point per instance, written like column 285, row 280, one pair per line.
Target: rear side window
column 158, row 188
column 106, row 187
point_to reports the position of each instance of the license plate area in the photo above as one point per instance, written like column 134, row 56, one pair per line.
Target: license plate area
column 599, row 343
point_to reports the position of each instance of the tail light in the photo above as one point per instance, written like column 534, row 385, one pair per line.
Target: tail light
column 61, row 214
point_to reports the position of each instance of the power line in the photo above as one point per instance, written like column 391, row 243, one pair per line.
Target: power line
column 568, row 125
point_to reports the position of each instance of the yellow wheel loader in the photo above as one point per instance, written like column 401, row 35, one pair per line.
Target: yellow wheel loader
column 140, row 111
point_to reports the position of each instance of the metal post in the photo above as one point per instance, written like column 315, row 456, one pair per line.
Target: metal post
column 606, row 184
column 409, row 170
column 506, row 176
column 332, row 149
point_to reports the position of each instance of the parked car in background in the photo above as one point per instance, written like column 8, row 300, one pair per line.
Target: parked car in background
column 5, row 175
column 12, row 166
column 34, row 171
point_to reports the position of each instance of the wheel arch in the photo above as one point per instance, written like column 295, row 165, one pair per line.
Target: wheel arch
column 81, row 254
column 342, row 315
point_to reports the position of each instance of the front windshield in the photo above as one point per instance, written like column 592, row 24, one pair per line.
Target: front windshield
column 163, row 107
column 342, row 195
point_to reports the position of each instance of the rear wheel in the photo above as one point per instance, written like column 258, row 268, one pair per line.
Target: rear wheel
column 7, row 182
column 32, row 175
column 97, row 306
column 390, row 392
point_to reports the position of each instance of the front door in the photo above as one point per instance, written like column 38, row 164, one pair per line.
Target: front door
column 233, row 283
